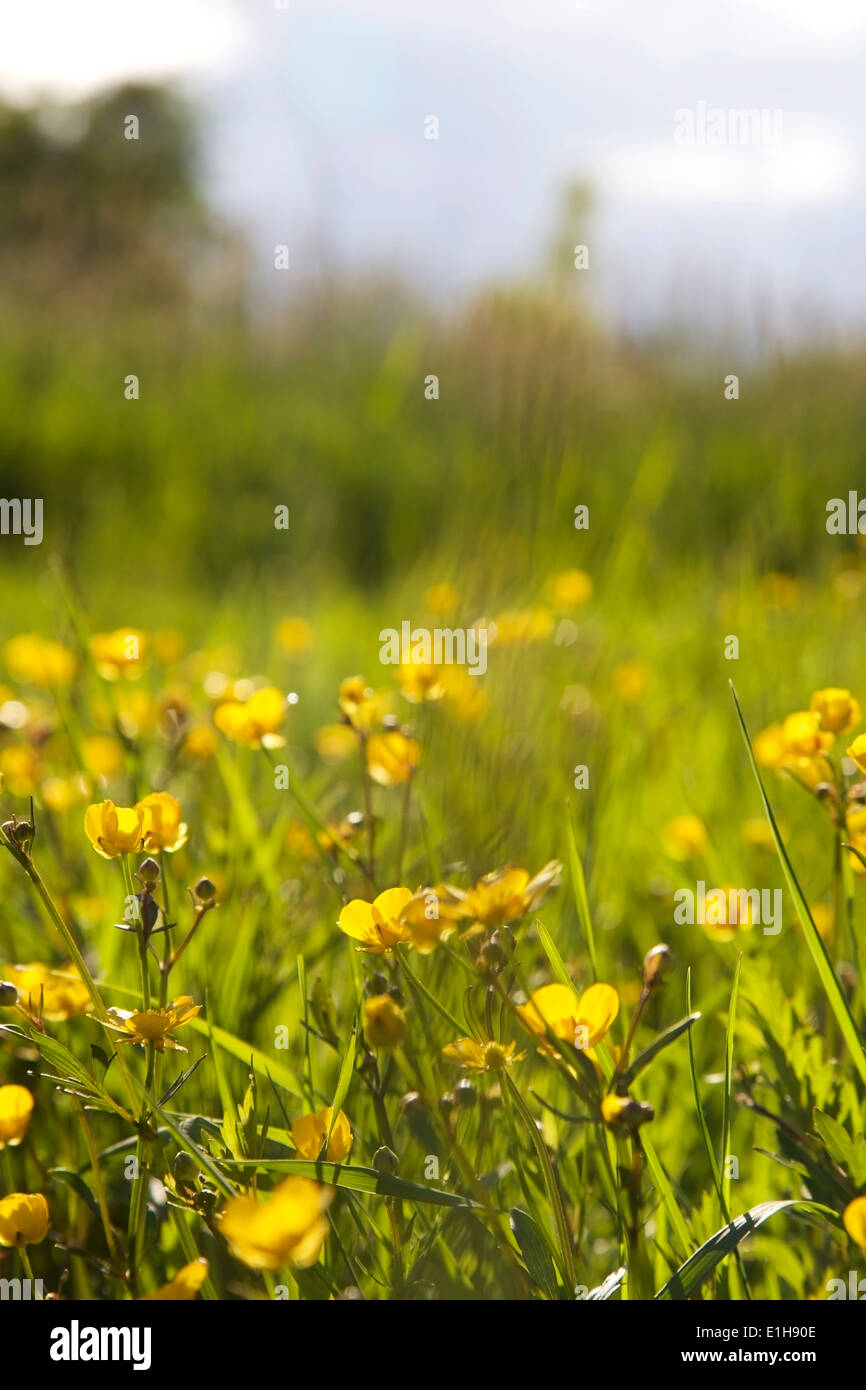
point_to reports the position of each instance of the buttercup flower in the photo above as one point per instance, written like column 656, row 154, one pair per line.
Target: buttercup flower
column 804, row 736
column 118, row 653
column 288, row 1227
column 114, row 830
column 392, row 757
column 16, row 1107
column 295, row 636
column 52, row 994
column 359, row 704
column 428, row 914
column 854, row 1221
column 377, row 925
column 769, row 747
column 483, row 1056
column 506, row 895
column 857, row 752
column 38, row 661
column 837, row 709
column 420, row 682
column 582, row 1022
column 570, row 589
column 183, row 1287
column 154, row 1025
column 24, row 1219
column 684, row 837
column 385, row 1022
column 309, row 1131
column 163, row 827
column 103, row 755
column 255, row 722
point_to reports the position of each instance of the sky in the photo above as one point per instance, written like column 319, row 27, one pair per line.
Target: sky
column 314, row 135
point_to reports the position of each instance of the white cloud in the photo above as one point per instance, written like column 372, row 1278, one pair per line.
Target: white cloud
column 66, row 49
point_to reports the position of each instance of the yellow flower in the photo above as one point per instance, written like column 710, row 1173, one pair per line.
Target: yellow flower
column 684, row 837
column 254, row 722
column 38, row 661
column 854, row 1221
column 464, row 695
column 803, row 735
column 309, row 1131
column 429, row 913
column 335, row 742
column 114, row 830
column 769, row 746
column 60, row 793
column 183, row 1287
column 376, row 925
column 837, row 709
column 103, row 755
column 857, row 838
column 24, row 1219
column 289, row 1227
column 731, row 913
column 163, row 827
column 154, row 1025
column 570, row 589
column 385, row 1022
column 419, row 682
column 295, row 636
column 518, row 627
column 824, row 917
column 52, row 994
column 583, row 1022
column 757, row 833
column 631, row 680
column 359, row 703
column 484, row 1056
column 392, row 757
column 118, row 653
column 507, row 894
column 169, row 645
column 200, row 742
column 857, row 751
column 16, row 1106
column 19, row 765
column 443, row 598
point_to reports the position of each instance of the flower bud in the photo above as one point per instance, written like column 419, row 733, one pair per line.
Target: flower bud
column 492, row 958
column 205, row 891
column 385, row 1160
column 624, row 1113
column 8, row 995
column 465, row 1094
column 446, row 1104
column 185, row 1167
column 376, row 983
column 412, row 1103
column 148, row 871
column 656, row 964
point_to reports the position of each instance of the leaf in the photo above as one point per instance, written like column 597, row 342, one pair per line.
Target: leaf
column 184, row 1076
column 343, row 1082
column 657, row 1045
column 578, row 883
column 533, row 1248
column 266, row 1066
column 77, row 1183
column 61, row 1059
column 699, row 1266
column 818, row 951
column 183, row 1139
column 355, row 1178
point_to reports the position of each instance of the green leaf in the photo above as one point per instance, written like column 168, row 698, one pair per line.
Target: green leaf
column 699, row 1266
column 343, row 1082
column 578, row 883
column 77, row 1183
column 260, row 1062
column 658, row 1044
column 818, row 951
column 533, row 1248
column 355, row 1178
column 557, row 964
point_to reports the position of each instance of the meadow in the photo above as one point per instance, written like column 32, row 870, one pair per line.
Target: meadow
column 415, row 928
